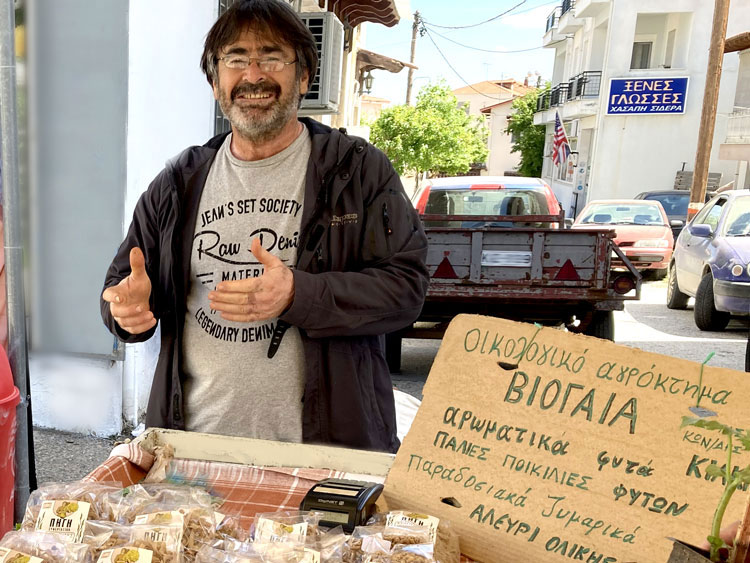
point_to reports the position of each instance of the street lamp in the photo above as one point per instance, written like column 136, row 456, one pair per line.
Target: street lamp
column 365, row 85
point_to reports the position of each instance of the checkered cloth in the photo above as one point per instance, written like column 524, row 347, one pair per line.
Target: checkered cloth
column 246, row 490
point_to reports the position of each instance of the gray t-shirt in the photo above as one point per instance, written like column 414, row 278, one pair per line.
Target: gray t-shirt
column 231, row 386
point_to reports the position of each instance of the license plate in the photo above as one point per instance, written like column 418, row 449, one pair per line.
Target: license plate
column 513, row 258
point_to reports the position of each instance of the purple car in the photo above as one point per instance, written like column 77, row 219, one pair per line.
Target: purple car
column 711, row 262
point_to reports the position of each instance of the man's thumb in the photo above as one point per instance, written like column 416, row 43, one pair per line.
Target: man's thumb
column 263, row 256
column 137, row 263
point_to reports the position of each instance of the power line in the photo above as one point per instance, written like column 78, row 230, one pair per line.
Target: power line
column 521, row 3
column 429, row 35
column 487, row 50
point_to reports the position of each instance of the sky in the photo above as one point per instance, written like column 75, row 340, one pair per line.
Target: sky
column 522, row 28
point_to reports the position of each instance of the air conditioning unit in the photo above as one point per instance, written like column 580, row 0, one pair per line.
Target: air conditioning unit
column 325, row 88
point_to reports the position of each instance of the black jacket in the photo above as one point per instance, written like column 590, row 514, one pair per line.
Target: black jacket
column 360, row 273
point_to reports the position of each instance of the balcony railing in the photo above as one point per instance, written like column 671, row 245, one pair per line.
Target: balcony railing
column 566, row 6
column 558, row 95
column 738, row 126
column 542, row 101
column 585, row 85
column 552, row 19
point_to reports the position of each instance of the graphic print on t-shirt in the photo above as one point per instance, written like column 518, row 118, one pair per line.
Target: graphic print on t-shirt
column 227, row 256
column 231, row 385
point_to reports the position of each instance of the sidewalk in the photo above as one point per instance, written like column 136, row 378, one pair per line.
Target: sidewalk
column 64, row 456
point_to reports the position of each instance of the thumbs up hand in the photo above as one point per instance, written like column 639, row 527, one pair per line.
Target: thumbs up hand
column 256, row 299
column 129, row 299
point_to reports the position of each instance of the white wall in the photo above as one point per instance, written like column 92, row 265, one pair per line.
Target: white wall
column 170, row 104
column 641, row 152
column 170, row 108
column 501, row 160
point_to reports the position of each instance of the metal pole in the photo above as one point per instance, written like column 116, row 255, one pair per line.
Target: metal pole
column 17, row 351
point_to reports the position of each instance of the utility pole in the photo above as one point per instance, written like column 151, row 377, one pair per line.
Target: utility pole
column 710, row 101
column 410, row 76
column 25, row 478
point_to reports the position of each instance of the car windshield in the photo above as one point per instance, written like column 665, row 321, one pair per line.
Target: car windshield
column 673, row 204
column 738, row 218
column 506, row 201
column 622, row 214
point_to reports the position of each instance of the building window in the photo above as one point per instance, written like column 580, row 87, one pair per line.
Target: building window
column 641, row 57
column 661, row 40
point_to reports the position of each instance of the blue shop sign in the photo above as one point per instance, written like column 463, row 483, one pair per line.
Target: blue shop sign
column 647, row 95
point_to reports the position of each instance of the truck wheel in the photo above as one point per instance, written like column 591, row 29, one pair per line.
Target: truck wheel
column 705, row 314
column 393, row 351
column 602, row 325
column 675, row 298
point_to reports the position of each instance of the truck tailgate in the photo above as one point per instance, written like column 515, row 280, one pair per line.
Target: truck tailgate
column 526, row 257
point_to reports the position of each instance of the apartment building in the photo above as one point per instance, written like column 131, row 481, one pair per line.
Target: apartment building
column 628, row 83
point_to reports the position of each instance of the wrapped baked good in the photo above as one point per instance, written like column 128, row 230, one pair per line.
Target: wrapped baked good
column 208, row 554
column 51, row 548
column 64, row 508
column 153, row 497
column 442, row 535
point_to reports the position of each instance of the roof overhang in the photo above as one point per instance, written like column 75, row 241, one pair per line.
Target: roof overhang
column 355, row 12
column 369, row 60
column 738, row 42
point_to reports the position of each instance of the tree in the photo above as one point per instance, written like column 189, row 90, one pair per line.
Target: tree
column 433, row 136
column 529, row 138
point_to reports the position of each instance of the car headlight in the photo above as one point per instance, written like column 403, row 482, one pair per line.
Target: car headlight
column 652, row 243
column 737, row 268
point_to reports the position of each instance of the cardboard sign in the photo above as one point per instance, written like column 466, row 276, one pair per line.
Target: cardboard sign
column 542, row 445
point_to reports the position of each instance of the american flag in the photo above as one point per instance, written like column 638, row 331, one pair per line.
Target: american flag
column 560, row 146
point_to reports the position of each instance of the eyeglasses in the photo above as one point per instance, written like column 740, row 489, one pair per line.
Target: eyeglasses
column 266, row 64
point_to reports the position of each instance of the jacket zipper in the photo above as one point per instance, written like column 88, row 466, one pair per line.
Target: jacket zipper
column 176, row 402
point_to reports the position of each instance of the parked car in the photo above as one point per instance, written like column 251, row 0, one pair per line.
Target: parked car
column 711, row 262
column 675, row 204
column 486, row 195
column 642, row 228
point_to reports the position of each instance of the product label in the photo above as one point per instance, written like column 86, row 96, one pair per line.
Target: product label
column 166, row 526
column 64, row 517
column 126, row 554
column 11, row 556
column 401, row 518
column 270, row 531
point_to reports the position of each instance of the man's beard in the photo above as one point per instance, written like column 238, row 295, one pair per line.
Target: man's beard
column 259, row 125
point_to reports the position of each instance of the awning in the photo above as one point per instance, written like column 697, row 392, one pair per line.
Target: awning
column 738, row 42
column 369, row 60
column 355, row 12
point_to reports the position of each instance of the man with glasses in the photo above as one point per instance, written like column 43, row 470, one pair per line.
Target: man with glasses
column 273, row 258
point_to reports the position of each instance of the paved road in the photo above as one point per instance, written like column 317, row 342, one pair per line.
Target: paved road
column 645, row 324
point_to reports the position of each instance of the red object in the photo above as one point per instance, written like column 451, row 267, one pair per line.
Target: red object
column 561, row 147
column 9, row 399
column 567, row 272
